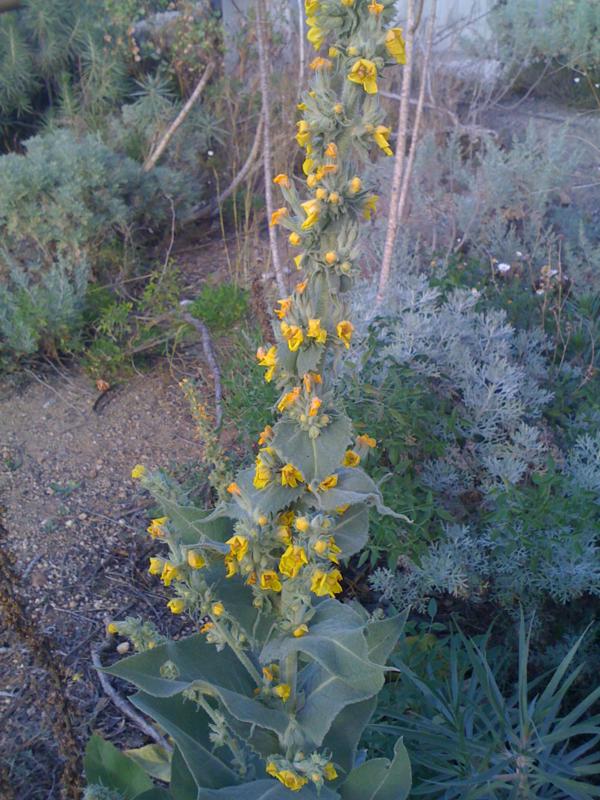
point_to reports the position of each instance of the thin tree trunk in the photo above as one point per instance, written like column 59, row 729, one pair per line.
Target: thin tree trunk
column 406, row 178
column 392, row 227
column 261, row 38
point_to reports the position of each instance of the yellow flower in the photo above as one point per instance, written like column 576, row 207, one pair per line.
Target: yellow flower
column 321, row 546
column 265, row 435
column 269, row 580
column 364, row 72
column 344, row 332
column 195, row 560
column 176, row 605
column 294, row 238
column 311, row 209
column 238, row 546
column 233, row 488
column 333, row 52
column 112, row 628
column 262, row 520
column 300, row 287
column 375, row 8
column 283, row 690
column 312, row 180
column 351, row 459
column 334, row 551
column 155, row 527
column 331, row 150
column 320, row 63
column 284, row 307
column 303, row 135
column 302, row 524
column 310, row 380
column 330, row 257
column 321, row 194
column 300, row 631
column 311, row 7
column 231, row 567
column 206, row 627
column 293, row 335
column 291, row 780
column 348, row 3
column 342, row 509
column 381, row 136
column 394, row 43
column 315, row 331
column 366, row 440
column 307, row 166
column 251, row 580
column 286, row 518
column 138, row 471
column 217, row 609
column 326, row 583
column 355, row 185
column 267, row 358
column 334, row 197
column 284, row 534
column 315, row 405
column 290, row 476
column 330, row 482
column 262, row 475
column 169, row 573
column 370, row 206
column 282, row 180
column 338, row 108
column 315, row 36
column 156, row 565
column 278, row 215
column 288, row 399
column 298, row 260
column 329, row 771
column 271, row 768
column 269, row 672
column 292, row 561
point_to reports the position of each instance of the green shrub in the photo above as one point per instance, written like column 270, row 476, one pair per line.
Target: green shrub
column 70, row 210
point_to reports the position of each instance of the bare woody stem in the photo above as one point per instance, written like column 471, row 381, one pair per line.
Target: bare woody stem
column 261, row 39
column 392, row 227
column 150, row 162
column 418, row 115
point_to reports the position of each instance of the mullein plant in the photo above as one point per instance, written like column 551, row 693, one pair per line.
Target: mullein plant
column 271, row 696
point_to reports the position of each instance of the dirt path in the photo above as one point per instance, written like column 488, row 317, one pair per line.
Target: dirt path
column 75, row 525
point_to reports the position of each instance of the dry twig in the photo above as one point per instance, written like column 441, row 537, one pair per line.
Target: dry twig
column 209, row 354
column 124, row 705
column 150, row 162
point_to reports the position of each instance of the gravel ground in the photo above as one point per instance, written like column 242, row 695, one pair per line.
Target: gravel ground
column 74, row 523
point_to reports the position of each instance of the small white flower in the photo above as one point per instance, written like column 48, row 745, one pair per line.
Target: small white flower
column 519, row 254
column 539, row 291
column 576, row 80
column 503, row 267
column 210, row 153
column 475, row 292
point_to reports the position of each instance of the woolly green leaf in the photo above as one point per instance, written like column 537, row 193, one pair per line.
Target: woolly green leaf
column 341, row 673
column 273, row 498
column 200, row 665
column 153, row 759
column 346, row 731
column 355, row 486
column 308, row 359
column 106, row 765
column 267, row 790
column 382, row 636
column 351, row 531
column 195, row 526
column 183, row 786
column 189, row 727
column 315, row 458
column 380, row 778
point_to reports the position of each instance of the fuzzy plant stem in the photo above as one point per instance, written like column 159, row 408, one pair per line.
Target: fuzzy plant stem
column 399, row 161
column 261, row 39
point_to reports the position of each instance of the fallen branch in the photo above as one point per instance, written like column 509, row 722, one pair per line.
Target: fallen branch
column 124, row 705
column 208, row 211
column 150, row 162
column 209, row 354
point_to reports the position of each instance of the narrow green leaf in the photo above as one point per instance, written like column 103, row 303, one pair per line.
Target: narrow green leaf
column 106, row 765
